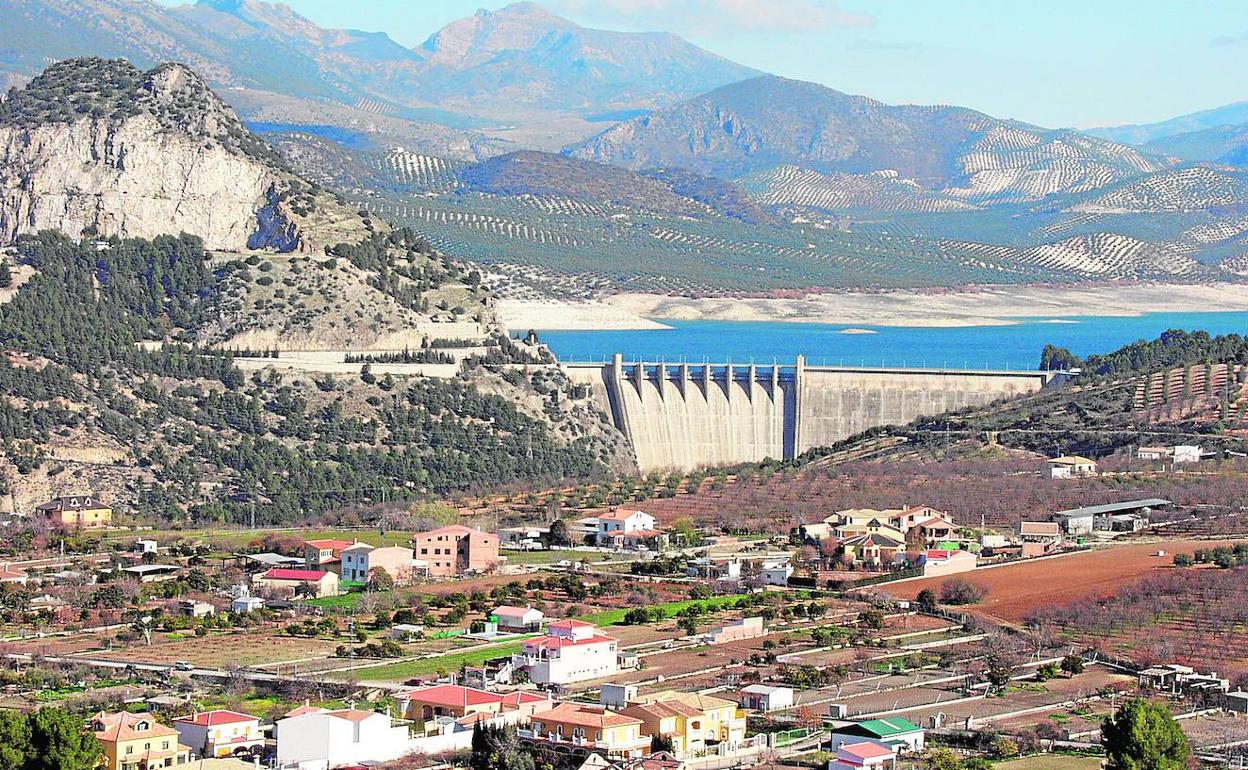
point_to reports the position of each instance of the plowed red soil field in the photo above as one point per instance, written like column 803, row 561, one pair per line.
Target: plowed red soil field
column 1016, row 590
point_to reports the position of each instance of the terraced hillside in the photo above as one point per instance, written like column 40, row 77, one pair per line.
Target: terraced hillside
column 1203, row 394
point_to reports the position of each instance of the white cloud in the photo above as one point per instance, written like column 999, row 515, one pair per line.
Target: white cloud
column 711, row 16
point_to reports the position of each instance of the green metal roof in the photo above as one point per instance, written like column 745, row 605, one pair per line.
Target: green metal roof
column 885, row 728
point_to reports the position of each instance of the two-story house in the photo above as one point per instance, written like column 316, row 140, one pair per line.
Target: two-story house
column 76, row 512
column 593, row 728
column 692, row 721
column 220, row 733
column 361, row 559
column 571, row 651
column 456, row 550
column 137, row 742
column 615, row 526
column 325, row 554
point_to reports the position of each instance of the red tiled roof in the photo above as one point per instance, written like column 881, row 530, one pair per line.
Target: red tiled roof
column 558, row 642
column 585, row 715
column 507, row 609
column 639, row 534
column 866, row 750
column 124, row 726
column 451, row 529
column 301, row 710
column 352, row 715
column 452, row 695
column 335, row 544
column 619, row 514
column 571, row 623
column 281, row 573
column 213, row 718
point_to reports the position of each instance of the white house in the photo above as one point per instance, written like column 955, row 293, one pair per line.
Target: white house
column 219, row 733
column 244, row 604
column 511, row 618
column 941, row 562
column 361, row 559
column 623, row 522
column 1071, row 466
column 864, row 755
column 571, row 651
column 1183, row 453
column 777, row 573
column 763, row 697
column 318, row 739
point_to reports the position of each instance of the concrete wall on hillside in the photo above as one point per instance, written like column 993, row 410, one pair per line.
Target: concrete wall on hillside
column 689, row 416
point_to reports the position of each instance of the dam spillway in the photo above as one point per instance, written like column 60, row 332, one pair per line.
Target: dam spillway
column 686, row 416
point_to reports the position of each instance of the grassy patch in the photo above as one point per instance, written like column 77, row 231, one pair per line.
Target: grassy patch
column 450, row 662
column 340, row 602
column 616, row 617
column 550, row 557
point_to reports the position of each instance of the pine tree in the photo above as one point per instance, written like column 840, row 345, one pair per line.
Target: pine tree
column 6, row 275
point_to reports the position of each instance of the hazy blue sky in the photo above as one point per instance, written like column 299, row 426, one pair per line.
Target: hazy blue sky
column 1052, row 62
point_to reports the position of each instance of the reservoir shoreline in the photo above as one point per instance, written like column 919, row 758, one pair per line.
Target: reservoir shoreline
column 986, row 306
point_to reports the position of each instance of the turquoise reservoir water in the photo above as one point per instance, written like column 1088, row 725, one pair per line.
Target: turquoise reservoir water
column 994, row 347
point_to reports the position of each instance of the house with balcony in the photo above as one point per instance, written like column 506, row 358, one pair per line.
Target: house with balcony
column 450, row 701
column 583, row 729
column 617, row 528
column 571, row 651
column 325, row 554
column 692, row 722
column 137, row 742
column 220, row 733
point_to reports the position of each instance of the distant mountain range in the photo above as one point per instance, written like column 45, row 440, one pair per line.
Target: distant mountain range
column 541, row 77
column 1219, row 135
column 588, row 161
column 1143, row 133
column 757, row 125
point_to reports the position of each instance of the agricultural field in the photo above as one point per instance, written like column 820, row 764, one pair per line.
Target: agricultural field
column 970, row 490
column 1194, row 616
column 221, row 650
column 1017, row 591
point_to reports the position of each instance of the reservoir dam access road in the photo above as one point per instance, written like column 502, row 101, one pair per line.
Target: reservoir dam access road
column 687, row 416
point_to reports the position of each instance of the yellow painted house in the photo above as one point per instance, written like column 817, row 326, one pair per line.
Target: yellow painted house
column 692, row 722
column 137, row 742
column 867, row 522
column 589, row 727
column 76, row 512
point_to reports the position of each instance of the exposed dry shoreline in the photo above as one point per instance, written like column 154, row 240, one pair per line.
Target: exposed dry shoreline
column 993, row 306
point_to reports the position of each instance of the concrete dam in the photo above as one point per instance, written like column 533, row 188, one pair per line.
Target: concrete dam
column 685, row 416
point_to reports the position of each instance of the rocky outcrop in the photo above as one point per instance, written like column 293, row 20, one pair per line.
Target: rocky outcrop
column 96, row 147
column 127, row 179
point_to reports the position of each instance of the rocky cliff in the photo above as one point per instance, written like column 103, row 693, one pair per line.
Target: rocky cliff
column 96, row 147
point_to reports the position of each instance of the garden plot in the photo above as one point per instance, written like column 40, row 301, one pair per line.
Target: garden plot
column 1022, row 696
